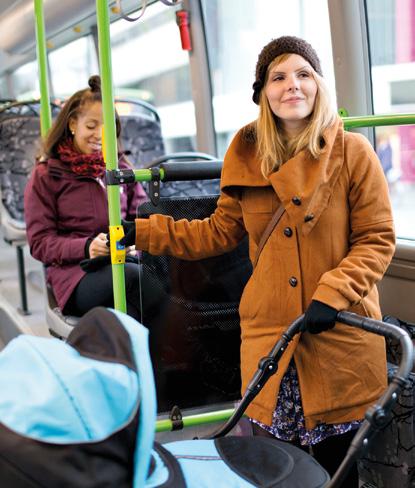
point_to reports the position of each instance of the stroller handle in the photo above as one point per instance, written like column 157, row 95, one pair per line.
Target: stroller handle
column 268, row 366
column 376, row 416
column 386, row 330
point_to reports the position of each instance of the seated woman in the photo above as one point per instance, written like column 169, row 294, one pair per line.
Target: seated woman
column 66, row 208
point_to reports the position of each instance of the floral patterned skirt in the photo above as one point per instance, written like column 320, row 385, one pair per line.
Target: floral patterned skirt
column 288, row 423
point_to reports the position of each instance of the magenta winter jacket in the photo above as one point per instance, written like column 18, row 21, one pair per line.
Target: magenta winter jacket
column 62, row 211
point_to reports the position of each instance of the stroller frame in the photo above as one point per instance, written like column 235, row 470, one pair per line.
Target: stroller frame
column 376, row 416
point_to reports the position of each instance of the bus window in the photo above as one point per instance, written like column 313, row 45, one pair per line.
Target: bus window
column 3, row 88
column 25, row 82
column 72, row 65
column 148, row 63
column 392, row 50
column 236, row 31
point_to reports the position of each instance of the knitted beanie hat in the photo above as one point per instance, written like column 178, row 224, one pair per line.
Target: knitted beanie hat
column 282, row 45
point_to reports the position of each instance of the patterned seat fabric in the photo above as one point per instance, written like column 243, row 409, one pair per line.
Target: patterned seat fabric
column 193, row 188
column 390, row 460
column 141, row 138
column 19, row 143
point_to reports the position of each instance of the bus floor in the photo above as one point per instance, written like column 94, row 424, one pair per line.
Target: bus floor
column 10, row 301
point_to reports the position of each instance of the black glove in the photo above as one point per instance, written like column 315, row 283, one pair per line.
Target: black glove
column 91, row 265
column 319, row 317
column 129, row 234
column 129, row 231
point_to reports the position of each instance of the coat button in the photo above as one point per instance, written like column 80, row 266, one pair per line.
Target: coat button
column 308, row 217
column 296, row 201
column 293, row 281
column 288, row 232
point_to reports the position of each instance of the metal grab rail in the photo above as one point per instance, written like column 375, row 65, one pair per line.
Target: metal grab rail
column 143, row 175
column 378, row 120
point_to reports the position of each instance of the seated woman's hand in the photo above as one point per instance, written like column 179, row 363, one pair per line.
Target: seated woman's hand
column 98, row 246
column 131, row 251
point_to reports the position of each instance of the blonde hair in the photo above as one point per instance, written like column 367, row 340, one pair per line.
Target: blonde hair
column 273, row 149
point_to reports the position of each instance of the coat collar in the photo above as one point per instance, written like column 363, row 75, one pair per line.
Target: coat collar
column 309, row 180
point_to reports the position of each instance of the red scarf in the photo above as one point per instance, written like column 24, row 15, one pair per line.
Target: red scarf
column 81, row 164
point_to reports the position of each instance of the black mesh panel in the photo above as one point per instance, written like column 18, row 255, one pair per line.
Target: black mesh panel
column 191, row 309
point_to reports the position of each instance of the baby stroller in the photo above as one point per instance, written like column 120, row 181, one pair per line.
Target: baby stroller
column 82, row 414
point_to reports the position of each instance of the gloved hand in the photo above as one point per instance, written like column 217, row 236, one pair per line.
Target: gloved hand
column 129, row 231
column 129, row 234
column 319, row 317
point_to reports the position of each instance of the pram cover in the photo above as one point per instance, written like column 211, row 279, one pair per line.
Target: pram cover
column 82, row 414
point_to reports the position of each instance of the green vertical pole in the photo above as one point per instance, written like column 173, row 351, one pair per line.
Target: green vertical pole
column 42, row 60
column 110, row 140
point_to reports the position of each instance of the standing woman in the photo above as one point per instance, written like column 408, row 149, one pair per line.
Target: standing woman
column 332, row 244
column 66, row 208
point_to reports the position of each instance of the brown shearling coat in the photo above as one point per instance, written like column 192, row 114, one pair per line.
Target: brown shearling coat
column 336, row 239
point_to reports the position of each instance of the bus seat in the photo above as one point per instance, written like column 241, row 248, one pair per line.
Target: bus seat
column 19, row 136
column 390, row 460
column 191, row 188
column 194, row 324
column 141, row 138
column 59, row 325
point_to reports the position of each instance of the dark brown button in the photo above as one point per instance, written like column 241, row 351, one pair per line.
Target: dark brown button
column 296, row 200
column 308, row 217
column 288, row 232
column 293, row 281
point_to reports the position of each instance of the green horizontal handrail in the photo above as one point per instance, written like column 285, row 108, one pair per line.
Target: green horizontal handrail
column 166, row 425
column 378, row 120
column 146, row 175
column 349, row 123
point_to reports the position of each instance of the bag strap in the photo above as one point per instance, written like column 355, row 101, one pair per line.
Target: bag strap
column 268, row 231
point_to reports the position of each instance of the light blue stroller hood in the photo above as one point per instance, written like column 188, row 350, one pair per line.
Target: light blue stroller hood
column 50, row 379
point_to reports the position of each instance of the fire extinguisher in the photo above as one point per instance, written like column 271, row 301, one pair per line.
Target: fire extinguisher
column 183, row 21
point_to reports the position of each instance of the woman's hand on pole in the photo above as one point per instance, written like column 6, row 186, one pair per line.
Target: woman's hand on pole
column 129, row 231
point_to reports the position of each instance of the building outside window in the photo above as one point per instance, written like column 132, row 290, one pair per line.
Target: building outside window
column 25, row 82
column 148, row 63
column 392, row 48
column 72, row 65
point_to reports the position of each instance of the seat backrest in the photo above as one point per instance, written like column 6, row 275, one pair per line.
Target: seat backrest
column 19, row 143
column 191, row 309
column 189, row 188
column 14, row 108
column 141, row 138
column 390, row 457
column 194, row 188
